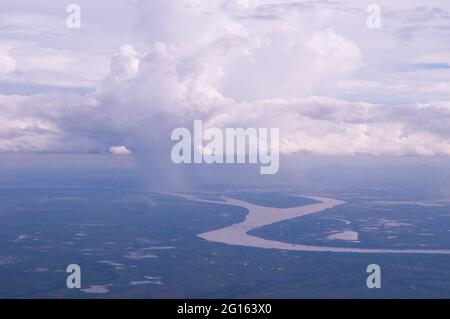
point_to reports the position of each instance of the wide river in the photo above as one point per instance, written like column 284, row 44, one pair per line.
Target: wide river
column 258, row 216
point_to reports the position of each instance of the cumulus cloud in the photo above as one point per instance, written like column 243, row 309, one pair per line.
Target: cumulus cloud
column 119, row 150
column 29, row 64
column 231, row 64
column 33, row 124
column 332, row 127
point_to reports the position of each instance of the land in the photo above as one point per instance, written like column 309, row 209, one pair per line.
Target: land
column 136, row 244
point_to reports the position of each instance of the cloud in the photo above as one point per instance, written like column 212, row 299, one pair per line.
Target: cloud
column 326, row 126
column 231, row 64
column 33, row 124
column 16, row 24
column 124, row 64
column 27, row 63
column 440, row 88
column 119, row 150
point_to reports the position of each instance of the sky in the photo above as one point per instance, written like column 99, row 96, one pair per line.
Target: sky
column 136, row 70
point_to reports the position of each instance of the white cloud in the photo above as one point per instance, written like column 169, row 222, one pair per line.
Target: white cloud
column 336, row 52
column 332, row 127
column 315, row 124
column 119, row 150
column 124, row 64
column 440, row 88
column 27, row 63
column 18, row 24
